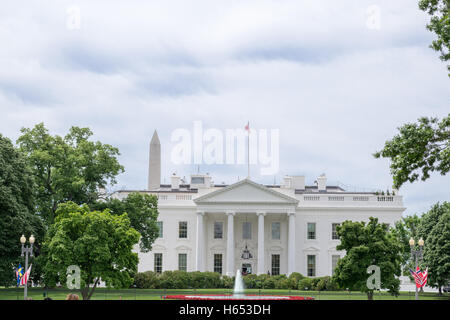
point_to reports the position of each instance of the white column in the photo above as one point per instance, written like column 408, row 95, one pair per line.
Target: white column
column 291, row 243
column 200, row 242
column 261, row 266
column 230, row 244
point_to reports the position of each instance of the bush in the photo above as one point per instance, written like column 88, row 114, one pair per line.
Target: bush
column 210, row 280
column 146, row 280
column 269, row 283
column 315, row 282
column 227, row 282
column 295, row 276
column 250, row 281
column 305, row 284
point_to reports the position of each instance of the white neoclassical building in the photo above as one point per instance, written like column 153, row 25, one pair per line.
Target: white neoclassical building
column 276, row 229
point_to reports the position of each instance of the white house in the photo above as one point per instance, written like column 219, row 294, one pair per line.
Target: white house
column 258, row 228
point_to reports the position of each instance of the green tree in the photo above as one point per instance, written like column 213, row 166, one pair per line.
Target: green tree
column 405, row 229
column 419, row 146
column 99, row 243
column 368, row 244
column 17, row 215
column 437, row 253
column 431, row 218
column 436, row 248
column 142, row 209
column 69, row 168
column 440, row 25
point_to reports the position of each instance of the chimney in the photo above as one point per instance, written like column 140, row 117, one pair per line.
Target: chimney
column 154, row 165
column 287, row 182
column 322, row 182
column 298, row 182
column 175, row 181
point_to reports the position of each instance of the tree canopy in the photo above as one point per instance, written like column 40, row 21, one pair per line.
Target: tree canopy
column 422, row 146
column 142, row 210
column 99, row 243
column 366, row 245
column 440, row 25
column 437, row 253
column 69, row 168
column 16, row 209
column 405, row 229
column 436, row 233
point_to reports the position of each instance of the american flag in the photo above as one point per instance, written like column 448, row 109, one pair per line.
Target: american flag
column 420, row 277
column 25, row 277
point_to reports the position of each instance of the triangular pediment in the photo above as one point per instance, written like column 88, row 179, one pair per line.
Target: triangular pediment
column 246, row 191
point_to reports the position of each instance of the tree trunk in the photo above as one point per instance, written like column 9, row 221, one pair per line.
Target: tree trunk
column 85, row 292
column 93, row 288
column 370, row 295
column 440, row 290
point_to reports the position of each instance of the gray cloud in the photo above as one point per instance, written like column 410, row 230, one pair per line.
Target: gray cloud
column 334, row 88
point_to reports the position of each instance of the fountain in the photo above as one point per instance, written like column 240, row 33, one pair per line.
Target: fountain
column 238, row 291
column 238, row 294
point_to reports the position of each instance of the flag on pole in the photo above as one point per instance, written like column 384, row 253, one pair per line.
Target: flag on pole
column 26, row 276
column 420, row 277
column 19, row 274
column 424, row 277
column 247, row 128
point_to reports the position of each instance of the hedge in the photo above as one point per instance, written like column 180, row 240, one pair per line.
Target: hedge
column 211, row 280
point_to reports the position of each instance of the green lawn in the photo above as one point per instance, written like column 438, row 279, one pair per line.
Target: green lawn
column 158, row 294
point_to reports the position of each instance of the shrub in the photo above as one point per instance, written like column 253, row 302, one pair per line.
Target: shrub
column 227, row 282
column 269, row 283
column 296, row 276
column 146, row 280
column 305, row 284
column 250, row 281
column 315, row 282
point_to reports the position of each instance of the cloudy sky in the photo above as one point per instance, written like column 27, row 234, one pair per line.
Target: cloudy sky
column 335, row 77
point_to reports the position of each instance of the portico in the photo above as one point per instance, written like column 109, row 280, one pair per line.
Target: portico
column 257, row 205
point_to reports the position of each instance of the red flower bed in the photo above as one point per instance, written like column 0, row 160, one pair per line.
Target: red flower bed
column 230, row 297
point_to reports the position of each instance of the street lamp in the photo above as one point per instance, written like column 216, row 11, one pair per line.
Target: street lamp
column 25, row 251
column 416, row 254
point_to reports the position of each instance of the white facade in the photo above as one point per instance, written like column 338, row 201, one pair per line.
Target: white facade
column 291, row 207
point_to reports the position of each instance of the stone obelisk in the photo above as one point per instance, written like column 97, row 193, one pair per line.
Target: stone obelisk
column 154, row 164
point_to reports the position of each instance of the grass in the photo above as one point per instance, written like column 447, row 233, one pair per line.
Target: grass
column 158, row 294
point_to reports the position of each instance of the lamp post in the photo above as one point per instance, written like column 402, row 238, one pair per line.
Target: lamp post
column 25, row 251
column 416, row 254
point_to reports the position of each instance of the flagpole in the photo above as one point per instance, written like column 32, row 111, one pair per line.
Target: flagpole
column 248, row 151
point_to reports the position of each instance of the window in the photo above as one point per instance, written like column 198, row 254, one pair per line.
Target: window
column 218, row 263
column 160, row 228
column 334, row 234
column 311, row 231
column 275, row 264
column 247, row 230
column 182, row 261
column 158, row 262
column 197, row 180
column 182, row 229
column 334, row 261
column 311, row 266
column 218, row 230
column 276, row 231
